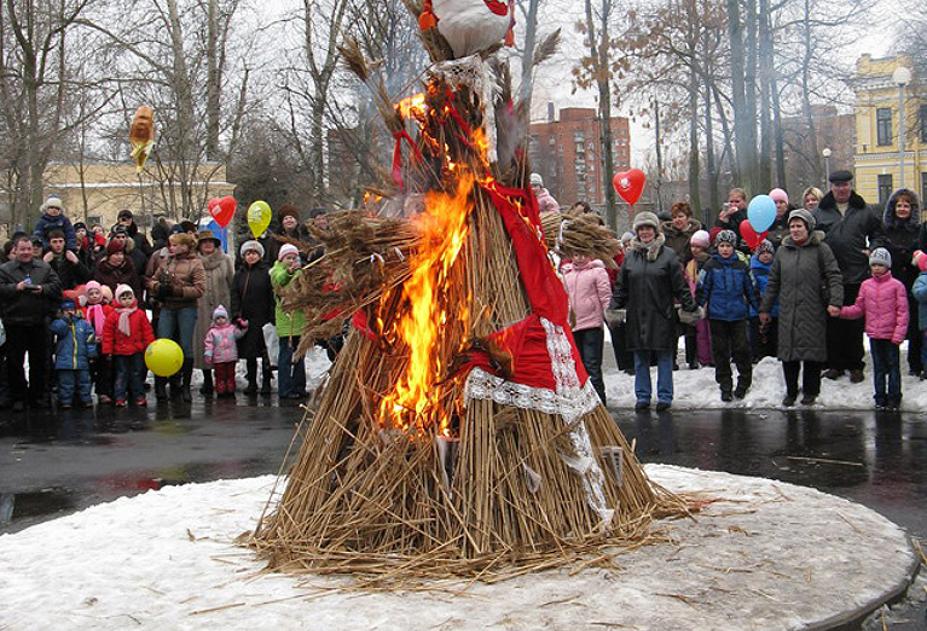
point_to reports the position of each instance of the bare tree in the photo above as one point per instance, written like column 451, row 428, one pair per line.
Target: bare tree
column 36, row 40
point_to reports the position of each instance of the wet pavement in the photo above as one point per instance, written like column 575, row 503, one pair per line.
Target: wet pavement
column 52, row 464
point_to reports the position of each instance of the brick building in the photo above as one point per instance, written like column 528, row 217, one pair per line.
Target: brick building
column 805, row 166
column 568, row 153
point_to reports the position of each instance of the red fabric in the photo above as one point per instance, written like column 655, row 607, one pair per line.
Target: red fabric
column 397, row 155
column 115, row 343
column 496, row 6
column 526, row 341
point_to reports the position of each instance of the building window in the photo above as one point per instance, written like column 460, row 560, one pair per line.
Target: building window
column 579, row 136
column 885, row 188
column 884, row 126
column 922, row 122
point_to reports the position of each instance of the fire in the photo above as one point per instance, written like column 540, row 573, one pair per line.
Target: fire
column 414, row 104
column 415, row 403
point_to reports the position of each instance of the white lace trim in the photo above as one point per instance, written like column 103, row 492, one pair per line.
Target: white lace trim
column 484, row 386
column 477, row 75
column 570, row 401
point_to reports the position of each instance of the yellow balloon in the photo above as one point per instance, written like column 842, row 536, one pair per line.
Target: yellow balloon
column 259, row 216
column 164, row 357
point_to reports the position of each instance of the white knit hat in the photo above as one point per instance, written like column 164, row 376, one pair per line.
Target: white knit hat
column 701, row 238
column 536, row 179
column 288, row 248
column 52, row 201
column 880, row 256
column 124, row 289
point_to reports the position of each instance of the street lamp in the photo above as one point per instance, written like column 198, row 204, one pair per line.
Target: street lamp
column 826, row 153
column 901, row 77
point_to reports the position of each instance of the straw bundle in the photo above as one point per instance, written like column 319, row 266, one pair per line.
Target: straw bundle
column 579, row 234
column 491, row 492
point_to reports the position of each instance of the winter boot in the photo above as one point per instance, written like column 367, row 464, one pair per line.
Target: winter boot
column 187, row 377
column 175, row 381
column 160, row 389
column 207, row 388
column 251, row 376
column 266, row 376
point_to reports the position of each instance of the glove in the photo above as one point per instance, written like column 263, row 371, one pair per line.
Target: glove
column 690, row 317
column 615, row 317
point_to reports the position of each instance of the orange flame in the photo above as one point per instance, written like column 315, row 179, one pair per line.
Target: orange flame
column 415, row 403
column 414, row 104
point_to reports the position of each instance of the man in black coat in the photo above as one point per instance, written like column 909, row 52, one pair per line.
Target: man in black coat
column 29, row 291
column 851, row 230
column 70, row 269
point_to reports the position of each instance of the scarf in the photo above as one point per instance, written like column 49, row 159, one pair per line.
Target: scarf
column 652, row 249
column 96, row 317
column 124, row 314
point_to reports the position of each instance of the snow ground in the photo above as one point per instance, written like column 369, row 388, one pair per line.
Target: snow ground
column 769, row 555
column 697, row 389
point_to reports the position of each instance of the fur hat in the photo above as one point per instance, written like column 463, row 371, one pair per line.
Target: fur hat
column 122, row 289
column 207, row 235
column 220, row 312
column 726, row 236
column 251, row 245
column 52, row 201
column 645, row 218
column 765, row 246
column 287, row 248
column 288, row 210
column 536, row 179
column 778, row 195
column 125, row 213
column 920, row 260
column 183, row 238
column 804, row 215
column 115, row 245
column 701, row 238
column 880, row 256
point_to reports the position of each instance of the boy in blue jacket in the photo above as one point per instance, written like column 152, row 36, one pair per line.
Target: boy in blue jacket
column 53, row 218
column 764, row 338
column 76, row 346
column 726, row 287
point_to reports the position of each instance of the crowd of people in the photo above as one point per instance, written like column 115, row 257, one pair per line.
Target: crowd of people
column 76, row 301
column 83, row 304
column 828, row 270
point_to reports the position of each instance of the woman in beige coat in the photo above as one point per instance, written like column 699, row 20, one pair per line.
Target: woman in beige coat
column 220, row 271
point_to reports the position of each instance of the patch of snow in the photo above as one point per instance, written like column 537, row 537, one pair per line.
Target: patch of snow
column 769, row 555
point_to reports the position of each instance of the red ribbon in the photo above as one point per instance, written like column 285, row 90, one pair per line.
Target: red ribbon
column 397, row 155
column 496, row 6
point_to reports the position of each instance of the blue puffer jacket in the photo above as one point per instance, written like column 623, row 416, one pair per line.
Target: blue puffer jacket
column 760, row 273
column 46, row 224
column 726, row 287
column 77, row 343
column 920, row 294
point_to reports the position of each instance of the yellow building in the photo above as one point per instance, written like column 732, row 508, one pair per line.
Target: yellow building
column 878, row 158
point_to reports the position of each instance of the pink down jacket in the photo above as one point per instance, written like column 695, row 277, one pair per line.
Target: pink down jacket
column 220, row 346
column 589, row 290
column 884, row 303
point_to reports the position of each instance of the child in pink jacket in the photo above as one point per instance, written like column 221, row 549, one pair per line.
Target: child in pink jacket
column 589, row 290
column 883, row 301
column 220, row 350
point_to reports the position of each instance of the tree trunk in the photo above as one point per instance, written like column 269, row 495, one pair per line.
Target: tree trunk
column 659, row 149
column 598, row 49
column 694, row 175
column 807, row 59
column 743, row 153
column 213, row 81
column 527, row 59
column 764, row 177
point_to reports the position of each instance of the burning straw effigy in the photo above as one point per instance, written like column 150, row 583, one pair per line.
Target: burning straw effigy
column 458, row 433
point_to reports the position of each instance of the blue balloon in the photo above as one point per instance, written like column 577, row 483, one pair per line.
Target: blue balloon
column 761, row 212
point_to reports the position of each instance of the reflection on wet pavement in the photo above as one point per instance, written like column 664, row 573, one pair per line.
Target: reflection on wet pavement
column 54, row 464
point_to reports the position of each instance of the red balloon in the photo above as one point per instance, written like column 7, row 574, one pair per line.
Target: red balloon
column 629, row 184
column 222, row 209
column 749, row 235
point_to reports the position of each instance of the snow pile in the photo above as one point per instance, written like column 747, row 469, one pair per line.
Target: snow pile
column 697, row 389
column 768, row 555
